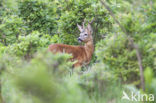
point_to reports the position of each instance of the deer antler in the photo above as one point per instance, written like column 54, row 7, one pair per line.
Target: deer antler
column 83, row 23
column 91, row 21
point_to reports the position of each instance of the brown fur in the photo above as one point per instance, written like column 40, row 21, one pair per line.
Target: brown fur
column 82, row 54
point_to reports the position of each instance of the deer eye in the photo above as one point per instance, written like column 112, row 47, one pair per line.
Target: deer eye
column 85, row 34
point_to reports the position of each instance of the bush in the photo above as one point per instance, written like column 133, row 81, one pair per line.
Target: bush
column 119, row 56
column 39, row 15
column 31, row 74
column 150, row 81
column 99, row 82
column 44, row 78
column 28, row 45
column 79, row 10
column 10, row 29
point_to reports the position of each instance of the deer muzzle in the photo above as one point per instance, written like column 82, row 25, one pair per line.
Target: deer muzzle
column 79, row 39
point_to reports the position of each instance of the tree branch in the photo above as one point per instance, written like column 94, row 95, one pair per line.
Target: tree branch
column 135, row 46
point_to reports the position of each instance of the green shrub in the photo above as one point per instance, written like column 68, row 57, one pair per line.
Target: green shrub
column 2, row 49
column 28, row 26
column 100, row 82
column 119, row 56
column 150, row 81
column 38, row 15
column 44, row 78
column 10, row 29
column 28, row 45
column 75, row 11
column 116, row 52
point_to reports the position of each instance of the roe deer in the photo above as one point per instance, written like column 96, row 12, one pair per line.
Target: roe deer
column 82, row 54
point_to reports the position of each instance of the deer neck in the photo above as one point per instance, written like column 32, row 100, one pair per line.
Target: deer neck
column 89, row 48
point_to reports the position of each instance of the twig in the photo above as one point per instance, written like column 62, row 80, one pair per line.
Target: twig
column 135, row 46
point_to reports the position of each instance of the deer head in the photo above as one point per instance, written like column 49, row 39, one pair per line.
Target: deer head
column 85, row 32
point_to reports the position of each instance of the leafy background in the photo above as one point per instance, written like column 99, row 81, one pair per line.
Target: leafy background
column 29, row 74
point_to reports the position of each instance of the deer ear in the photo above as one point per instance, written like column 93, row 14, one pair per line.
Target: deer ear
column 80, row 27
column 89, row 28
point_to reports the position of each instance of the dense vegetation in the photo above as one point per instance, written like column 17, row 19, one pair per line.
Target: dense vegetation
column 30, row 74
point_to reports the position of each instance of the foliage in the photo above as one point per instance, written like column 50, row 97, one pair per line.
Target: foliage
column 30, row 74
column 28, row 45
column 46, row 78
column 114, row 52
column 150, row 81
column 11, row 28
column 43, row 78
column 38, row 15
column 80, row 9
